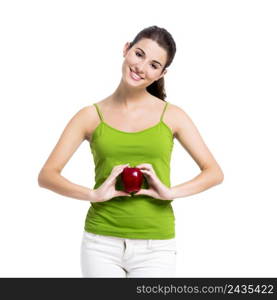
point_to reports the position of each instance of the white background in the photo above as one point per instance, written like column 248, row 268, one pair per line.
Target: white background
column 59, row 56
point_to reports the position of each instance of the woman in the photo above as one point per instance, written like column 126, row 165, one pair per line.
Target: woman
column 132, row 235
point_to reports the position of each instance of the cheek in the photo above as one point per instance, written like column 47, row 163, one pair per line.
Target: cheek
column 152, row 74
column 131, row 59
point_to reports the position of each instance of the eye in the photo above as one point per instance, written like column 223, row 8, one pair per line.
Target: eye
column 139, row 55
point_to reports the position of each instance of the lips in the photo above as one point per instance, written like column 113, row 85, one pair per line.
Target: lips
column 136, row 75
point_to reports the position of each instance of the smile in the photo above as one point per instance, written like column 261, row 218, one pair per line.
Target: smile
column 134, row 75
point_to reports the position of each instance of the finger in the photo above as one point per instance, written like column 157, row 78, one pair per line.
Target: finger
column 143, row 168
column 121, row 193
column 119, row 169
column 142, row 192
column 116, row 171
column 121, row 166
column 146, row 172
column 144, row 165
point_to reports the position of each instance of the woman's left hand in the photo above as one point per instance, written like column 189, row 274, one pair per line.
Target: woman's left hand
column 156, row 188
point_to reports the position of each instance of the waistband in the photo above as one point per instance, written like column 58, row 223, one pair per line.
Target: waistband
column 119, row 240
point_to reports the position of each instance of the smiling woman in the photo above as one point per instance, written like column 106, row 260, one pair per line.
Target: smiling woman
column 147, row 57
column 132, row 235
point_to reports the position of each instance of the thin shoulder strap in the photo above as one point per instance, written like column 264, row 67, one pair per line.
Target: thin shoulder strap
column 163, row 111
column 99, row 112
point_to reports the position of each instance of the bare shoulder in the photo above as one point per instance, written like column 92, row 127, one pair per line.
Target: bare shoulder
column 82, row 117
column 90, row 119
column 190, row 138
column 179, row 116
column 176, row 117
column 175, row 108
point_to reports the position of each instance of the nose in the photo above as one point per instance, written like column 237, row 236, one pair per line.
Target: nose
column 139, row 72
column 139, row 68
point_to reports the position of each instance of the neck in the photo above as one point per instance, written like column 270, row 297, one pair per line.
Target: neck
column 129, row 97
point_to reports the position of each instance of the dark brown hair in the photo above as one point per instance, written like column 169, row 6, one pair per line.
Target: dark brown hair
column 164, row 40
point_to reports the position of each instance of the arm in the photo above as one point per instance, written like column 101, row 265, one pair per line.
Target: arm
column 50, row 175
column 190, row 138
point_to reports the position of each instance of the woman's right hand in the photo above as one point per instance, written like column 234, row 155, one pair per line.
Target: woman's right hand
column 106, row 191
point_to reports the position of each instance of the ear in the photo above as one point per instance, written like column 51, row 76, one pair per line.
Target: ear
column 125, row 49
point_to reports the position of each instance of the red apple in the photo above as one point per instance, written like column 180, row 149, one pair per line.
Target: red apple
column 132, row 179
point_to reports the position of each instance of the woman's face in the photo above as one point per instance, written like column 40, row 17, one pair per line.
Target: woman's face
column 143, row 63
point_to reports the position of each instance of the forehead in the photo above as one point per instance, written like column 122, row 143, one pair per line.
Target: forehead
column 152, row 50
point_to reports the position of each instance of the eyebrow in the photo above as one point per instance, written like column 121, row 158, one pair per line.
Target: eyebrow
column 152, row 60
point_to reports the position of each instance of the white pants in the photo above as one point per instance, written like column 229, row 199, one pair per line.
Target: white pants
column 108, row 256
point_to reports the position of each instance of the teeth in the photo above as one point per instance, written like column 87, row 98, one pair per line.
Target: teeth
column 135, row 75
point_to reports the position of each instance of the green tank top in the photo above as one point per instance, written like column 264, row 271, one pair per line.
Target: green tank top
column 138, row 216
